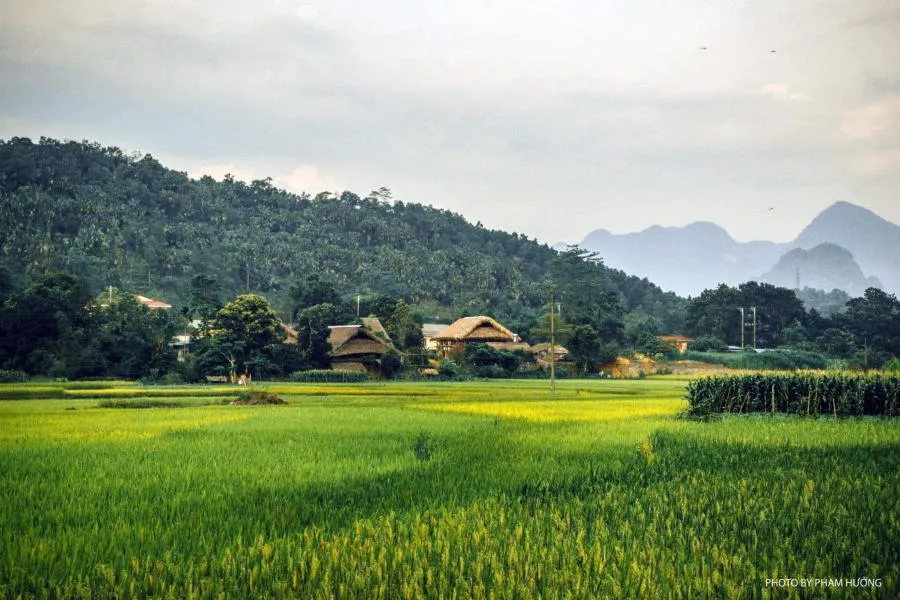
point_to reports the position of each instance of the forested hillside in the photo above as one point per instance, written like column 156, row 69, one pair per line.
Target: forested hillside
column 126, row 221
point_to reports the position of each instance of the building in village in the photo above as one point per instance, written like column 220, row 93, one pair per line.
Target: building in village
column 541, row 353
column 152, row 303
column 358, row 347
column 676, row 342
column 454, row 338
column 429, row 330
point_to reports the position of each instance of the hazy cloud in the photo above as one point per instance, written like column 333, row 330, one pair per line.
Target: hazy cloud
column 547, row 119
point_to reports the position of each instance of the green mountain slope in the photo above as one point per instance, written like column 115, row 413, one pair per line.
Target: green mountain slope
column 124, row 220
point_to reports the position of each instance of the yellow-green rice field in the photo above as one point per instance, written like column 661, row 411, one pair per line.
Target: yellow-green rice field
column 438, row 490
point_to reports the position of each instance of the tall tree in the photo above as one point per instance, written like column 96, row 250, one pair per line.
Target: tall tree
column 312, row 334
column 243, row 332
column 585, row 294
column 43, row 328
column 205, row 296
column 874, row 320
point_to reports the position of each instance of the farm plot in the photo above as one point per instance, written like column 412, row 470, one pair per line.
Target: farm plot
column 434, row 490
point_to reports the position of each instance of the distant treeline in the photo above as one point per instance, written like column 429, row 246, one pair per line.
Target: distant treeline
column 124, row 220
column 78, row 219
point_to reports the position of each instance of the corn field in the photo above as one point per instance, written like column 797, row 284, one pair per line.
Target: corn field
column 835, row 394
column 470, row 490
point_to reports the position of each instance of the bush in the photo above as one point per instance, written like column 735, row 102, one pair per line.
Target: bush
column 329, row 376
column 257, row 397
column 13, row 376
column 789, row 360
column 707, row 343
column 448, row 368
column 484, row 361
column 389, row 365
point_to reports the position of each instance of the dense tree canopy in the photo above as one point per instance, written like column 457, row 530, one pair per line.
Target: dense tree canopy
column 244, row 333
column 77, row 218
column 124, row 220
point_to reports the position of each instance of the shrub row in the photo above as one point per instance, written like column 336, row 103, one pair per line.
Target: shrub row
column 770, row 360
column 328, row 376
column 13, row 376
column 838, row 394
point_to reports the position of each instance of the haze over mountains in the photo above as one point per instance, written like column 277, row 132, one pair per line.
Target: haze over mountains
column 701, row 255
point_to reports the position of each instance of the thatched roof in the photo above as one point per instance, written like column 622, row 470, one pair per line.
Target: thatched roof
column 545, row 347
column 354, row 340
column 480, row 329
column 432, row 329
column 375, row 326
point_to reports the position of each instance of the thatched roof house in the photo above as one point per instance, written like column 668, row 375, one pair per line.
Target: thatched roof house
column 429, row 330
column 541, row 353
column 454, row 338
column 354, row 347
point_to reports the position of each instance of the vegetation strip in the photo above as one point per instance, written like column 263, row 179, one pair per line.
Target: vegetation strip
column 836, row 394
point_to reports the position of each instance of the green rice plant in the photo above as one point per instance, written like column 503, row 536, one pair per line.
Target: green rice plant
column 591, row 492
column 329, row 376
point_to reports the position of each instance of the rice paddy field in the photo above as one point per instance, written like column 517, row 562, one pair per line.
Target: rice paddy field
column 438, row 490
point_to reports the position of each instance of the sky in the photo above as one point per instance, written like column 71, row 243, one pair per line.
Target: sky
column 551, row 119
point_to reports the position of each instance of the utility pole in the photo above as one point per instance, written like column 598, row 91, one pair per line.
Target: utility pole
column 552, row 343
column 742, row 327
column 754, row 328
column 357, row 306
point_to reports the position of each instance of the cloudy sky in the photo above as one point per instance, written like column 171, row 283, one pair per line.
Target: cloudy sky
column 547, row 118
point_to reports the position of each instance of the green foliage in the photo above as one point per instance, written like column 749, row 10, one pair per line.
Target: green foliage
column 586, row 294
column 800, row 394
column 242, row 336
column 313, row 291
column 405, row 329
column 716, row 313
column 448, row 368
column 55, row 327
column 484, row 361
column 390, row 365
column 707, row 343
column 874, row 319
column 124, row 220
column 204, row 300
column 836, row 342
column 585, row 348
column 257, row 397
column 329, row 376
column 312, row 335
column 7, row 376
column 788, row 360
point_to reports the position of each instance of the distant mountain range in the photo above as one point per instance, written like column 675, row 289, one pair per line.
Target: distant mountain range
column 845, row 247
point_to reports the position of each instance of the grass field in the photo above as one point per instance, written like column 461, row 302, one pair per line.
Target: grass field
column 409, row 490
